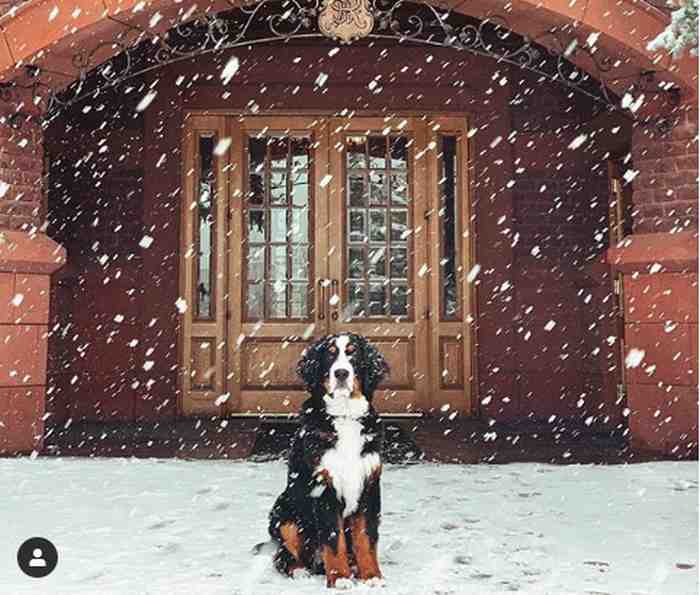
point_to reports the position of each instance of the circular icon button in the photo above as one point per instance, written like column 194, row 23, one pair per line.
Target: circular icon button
column 37, row 557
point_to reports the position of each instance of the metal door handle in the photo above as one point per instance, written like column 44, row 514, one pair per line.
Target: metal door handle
column 335, row 290
column 322, row 302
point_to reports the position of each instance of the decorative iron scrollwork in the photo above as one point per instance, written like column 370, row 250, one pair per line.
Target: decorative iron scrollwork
column 137, row 50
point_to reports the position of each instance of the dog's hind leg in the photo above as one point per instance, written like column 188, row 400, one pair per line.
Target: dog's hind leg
column 289, row 554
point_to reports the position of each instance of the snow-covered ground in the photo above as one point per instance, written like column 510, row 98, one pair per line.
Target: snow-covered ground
column 170, row 526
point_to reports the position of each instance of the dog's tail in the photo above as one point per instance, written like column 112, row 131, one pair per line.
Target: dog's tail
column 264, row 548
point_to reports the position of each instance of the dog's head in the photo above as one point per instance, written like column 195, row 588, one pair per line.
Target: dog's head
column 342, row 365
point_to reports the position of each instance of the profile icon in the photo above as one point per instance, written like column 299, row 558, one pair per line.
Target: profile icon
column 37, row 557
column 37, row 560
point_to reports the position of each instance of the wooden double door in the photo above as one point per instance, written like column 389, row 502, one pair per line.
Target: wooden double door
column 295, row 227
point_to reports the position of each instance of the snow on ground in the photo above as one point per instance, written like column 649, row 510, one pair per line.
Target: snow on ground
column 170, row 526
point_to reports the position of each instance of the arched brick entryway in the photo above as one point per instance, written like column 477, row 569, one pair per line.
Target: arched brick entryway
column 655, row 213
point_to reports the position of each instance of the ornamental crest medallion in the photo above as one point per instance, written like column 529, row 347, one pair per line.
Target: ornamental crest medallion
column 346, row 20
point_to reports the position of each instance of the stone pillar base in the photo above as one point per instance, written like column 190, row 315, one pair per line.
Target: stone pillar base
column 660, row 291
column 26, row 263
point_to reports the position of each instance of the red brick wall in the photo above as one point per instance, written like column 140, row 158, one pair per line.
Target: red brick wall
column 666, row 187
column 558, row 361
column 96, row 213
column 21, row 174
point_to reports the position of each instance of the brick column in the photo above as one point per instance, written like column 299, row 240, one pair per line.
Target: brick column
column 27, row 259
column 659, row 262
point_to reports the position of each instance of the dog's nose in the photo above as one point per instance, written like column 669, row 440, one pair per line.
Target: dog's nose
column 342, row 375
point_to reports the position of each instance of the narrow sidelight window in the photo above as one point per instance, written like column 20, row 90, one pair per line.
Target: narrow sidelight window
column 449, row 228
column 205, row 229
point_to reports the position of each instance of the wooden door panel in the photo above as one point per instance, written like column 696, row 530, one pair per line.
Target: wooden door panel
column 377, row 247
column 277, row 209
column 270, row 364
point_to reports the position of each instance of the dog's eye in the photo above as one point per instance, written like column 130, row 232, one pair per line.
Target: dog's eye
column 350, row 349
column 332, row 350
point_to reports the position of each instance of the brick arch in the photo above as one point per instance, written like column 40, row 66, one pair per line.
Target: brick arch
column 36, row 32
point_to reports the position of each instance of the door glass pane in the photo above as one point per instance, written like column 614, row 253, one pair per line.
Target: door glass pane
column 356, row 157
column 299, row 300
column 399, row 225
column 357, row 190
column 257, row 148
column 256, row 226
column 378, row 224
column 300, row 225
column 278, row 187
column 277, row 293
column 448, row 225
column 300, row 189
column 278, row 152
column 276, row 246
column 377, row 299
column 300, row 261
column 278, row 225
column 399, row 300
column 356, row 263
column 377, row 262
column 399, row 263
column 205, row 217
column 256, row 264
column 254, row 301
column 399, row 152
column 399, row 189
column 356, row 299
column 377, row 152
column 356, row 229
column 377, row 188
column 278, row 263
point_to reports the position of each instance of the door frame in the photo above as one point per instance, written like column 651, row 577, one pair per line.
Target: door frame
column 211, row 404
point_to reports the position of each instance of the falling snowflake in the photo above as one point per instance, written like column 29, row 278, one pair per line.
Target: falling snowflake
column 146, row 241
column 634, row 358
column 181, row 305
column 578, row 141
column 230, row 69
column 146, row 100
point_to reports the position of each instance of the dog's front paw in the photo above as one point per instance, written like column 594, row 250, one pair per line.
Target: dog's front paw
column 300, row 574
column 343, row 584
column 375, row 582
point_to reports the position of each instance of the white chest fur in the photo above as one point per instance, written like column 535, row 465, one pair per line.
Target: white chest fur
column 347, row 467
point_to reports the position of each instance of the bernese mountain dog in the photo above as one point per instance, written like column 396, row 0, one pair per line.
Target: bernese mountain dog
column 327, row 519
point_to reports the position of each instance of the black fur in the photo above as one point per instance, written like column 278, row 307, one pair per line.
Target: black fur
column 316, row 517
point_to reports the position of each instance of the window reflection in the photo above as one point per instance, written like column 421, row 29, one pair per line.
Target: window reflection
column 448, row 261
column 378, row 225
column 277, row 246
column 206, row 184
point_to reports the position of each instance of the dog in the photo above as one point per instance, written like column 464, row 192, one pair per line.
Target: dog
column 326, row 521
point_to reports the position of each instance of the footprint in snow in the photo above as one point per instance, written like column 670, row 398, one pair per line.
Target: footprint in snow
column 169, row 548
column 160, row 524
column 481, row 576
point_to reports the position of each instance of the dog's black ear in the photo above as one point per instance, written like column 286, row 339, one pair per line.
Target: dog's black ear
column 375, row 368
column 310, row 368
